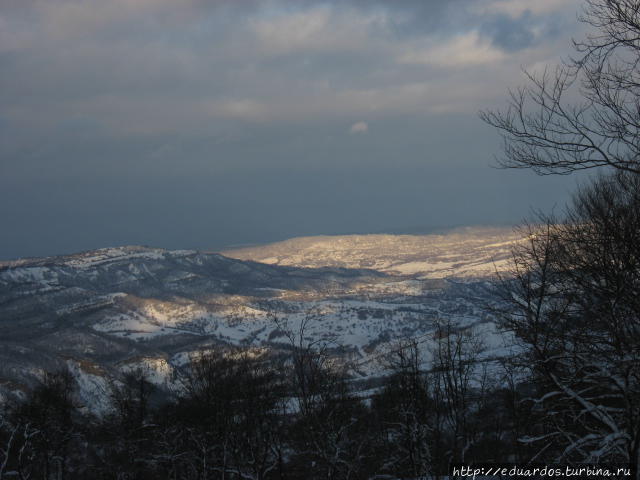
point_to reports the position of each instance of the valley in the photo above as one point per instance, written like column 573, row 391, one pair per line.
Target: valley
column 103, row 312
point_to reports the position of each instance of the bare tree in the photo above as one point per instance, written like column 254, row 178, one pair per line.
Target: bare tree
column 545, row 130
column 328, row 432
column 47, row 428
column 407, row 414
column 576, row 309
column 312, row 365
column 16, row 449
column 574, row 302
column 232, row 416
column 131, row 398
column 128, row 425
column 459, row 384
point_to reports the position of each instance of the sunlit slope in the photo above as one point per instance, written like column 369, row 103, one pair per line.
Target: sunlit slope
column 466, row 252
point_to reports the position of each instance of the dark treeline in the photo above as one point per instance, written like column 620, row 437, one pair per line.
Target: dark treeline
column 244, row 414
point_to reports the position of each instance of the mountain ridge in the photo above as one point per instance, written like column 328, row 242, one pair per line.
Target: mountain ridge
column 101, row 312
column 424, row 256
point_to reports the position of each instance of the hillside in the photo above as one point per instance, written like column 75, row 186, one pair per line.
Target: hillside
column 471, row 252
column 104, row 312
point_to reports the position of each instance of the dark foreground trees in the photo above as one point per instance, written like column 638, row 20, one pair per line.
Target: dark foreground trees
column 231, row 416
column 242, row 414
column 575, row 307
column 574, row 303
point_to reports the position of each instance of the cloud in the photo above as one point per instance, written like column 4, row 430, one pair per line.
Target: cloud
column 178, row 67
column 318, row 29
column 516, row 8
column 466, row 50
column 359, row 127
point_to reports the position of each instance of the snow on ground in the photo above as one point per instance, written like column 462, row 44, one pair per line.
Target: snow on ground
column 157, row 370
column 435, row 269
column 467, row 252
column 429, row 279
column 93, row 388
column 105, row 255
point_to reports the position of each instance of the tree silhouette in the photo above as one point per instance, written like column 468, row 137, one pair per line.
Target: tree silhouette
column 544, row 131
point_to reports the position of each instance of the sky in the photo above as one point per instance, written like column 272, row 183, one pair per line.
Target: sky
column 206, row 124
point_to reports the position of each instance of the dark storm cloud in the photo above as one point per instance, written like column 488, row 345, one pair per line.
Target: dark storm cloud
column 223, row 113
column 511, row 34
column 524, row 31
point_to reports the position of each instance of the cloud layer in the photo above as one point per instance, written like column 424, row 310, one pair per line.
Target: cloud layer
column 146, row 66
column 195, row 87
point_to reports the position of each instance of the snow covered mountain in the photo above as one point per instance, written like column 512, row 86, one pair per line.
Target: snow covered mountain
column 469, row 252
column 103, row 312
